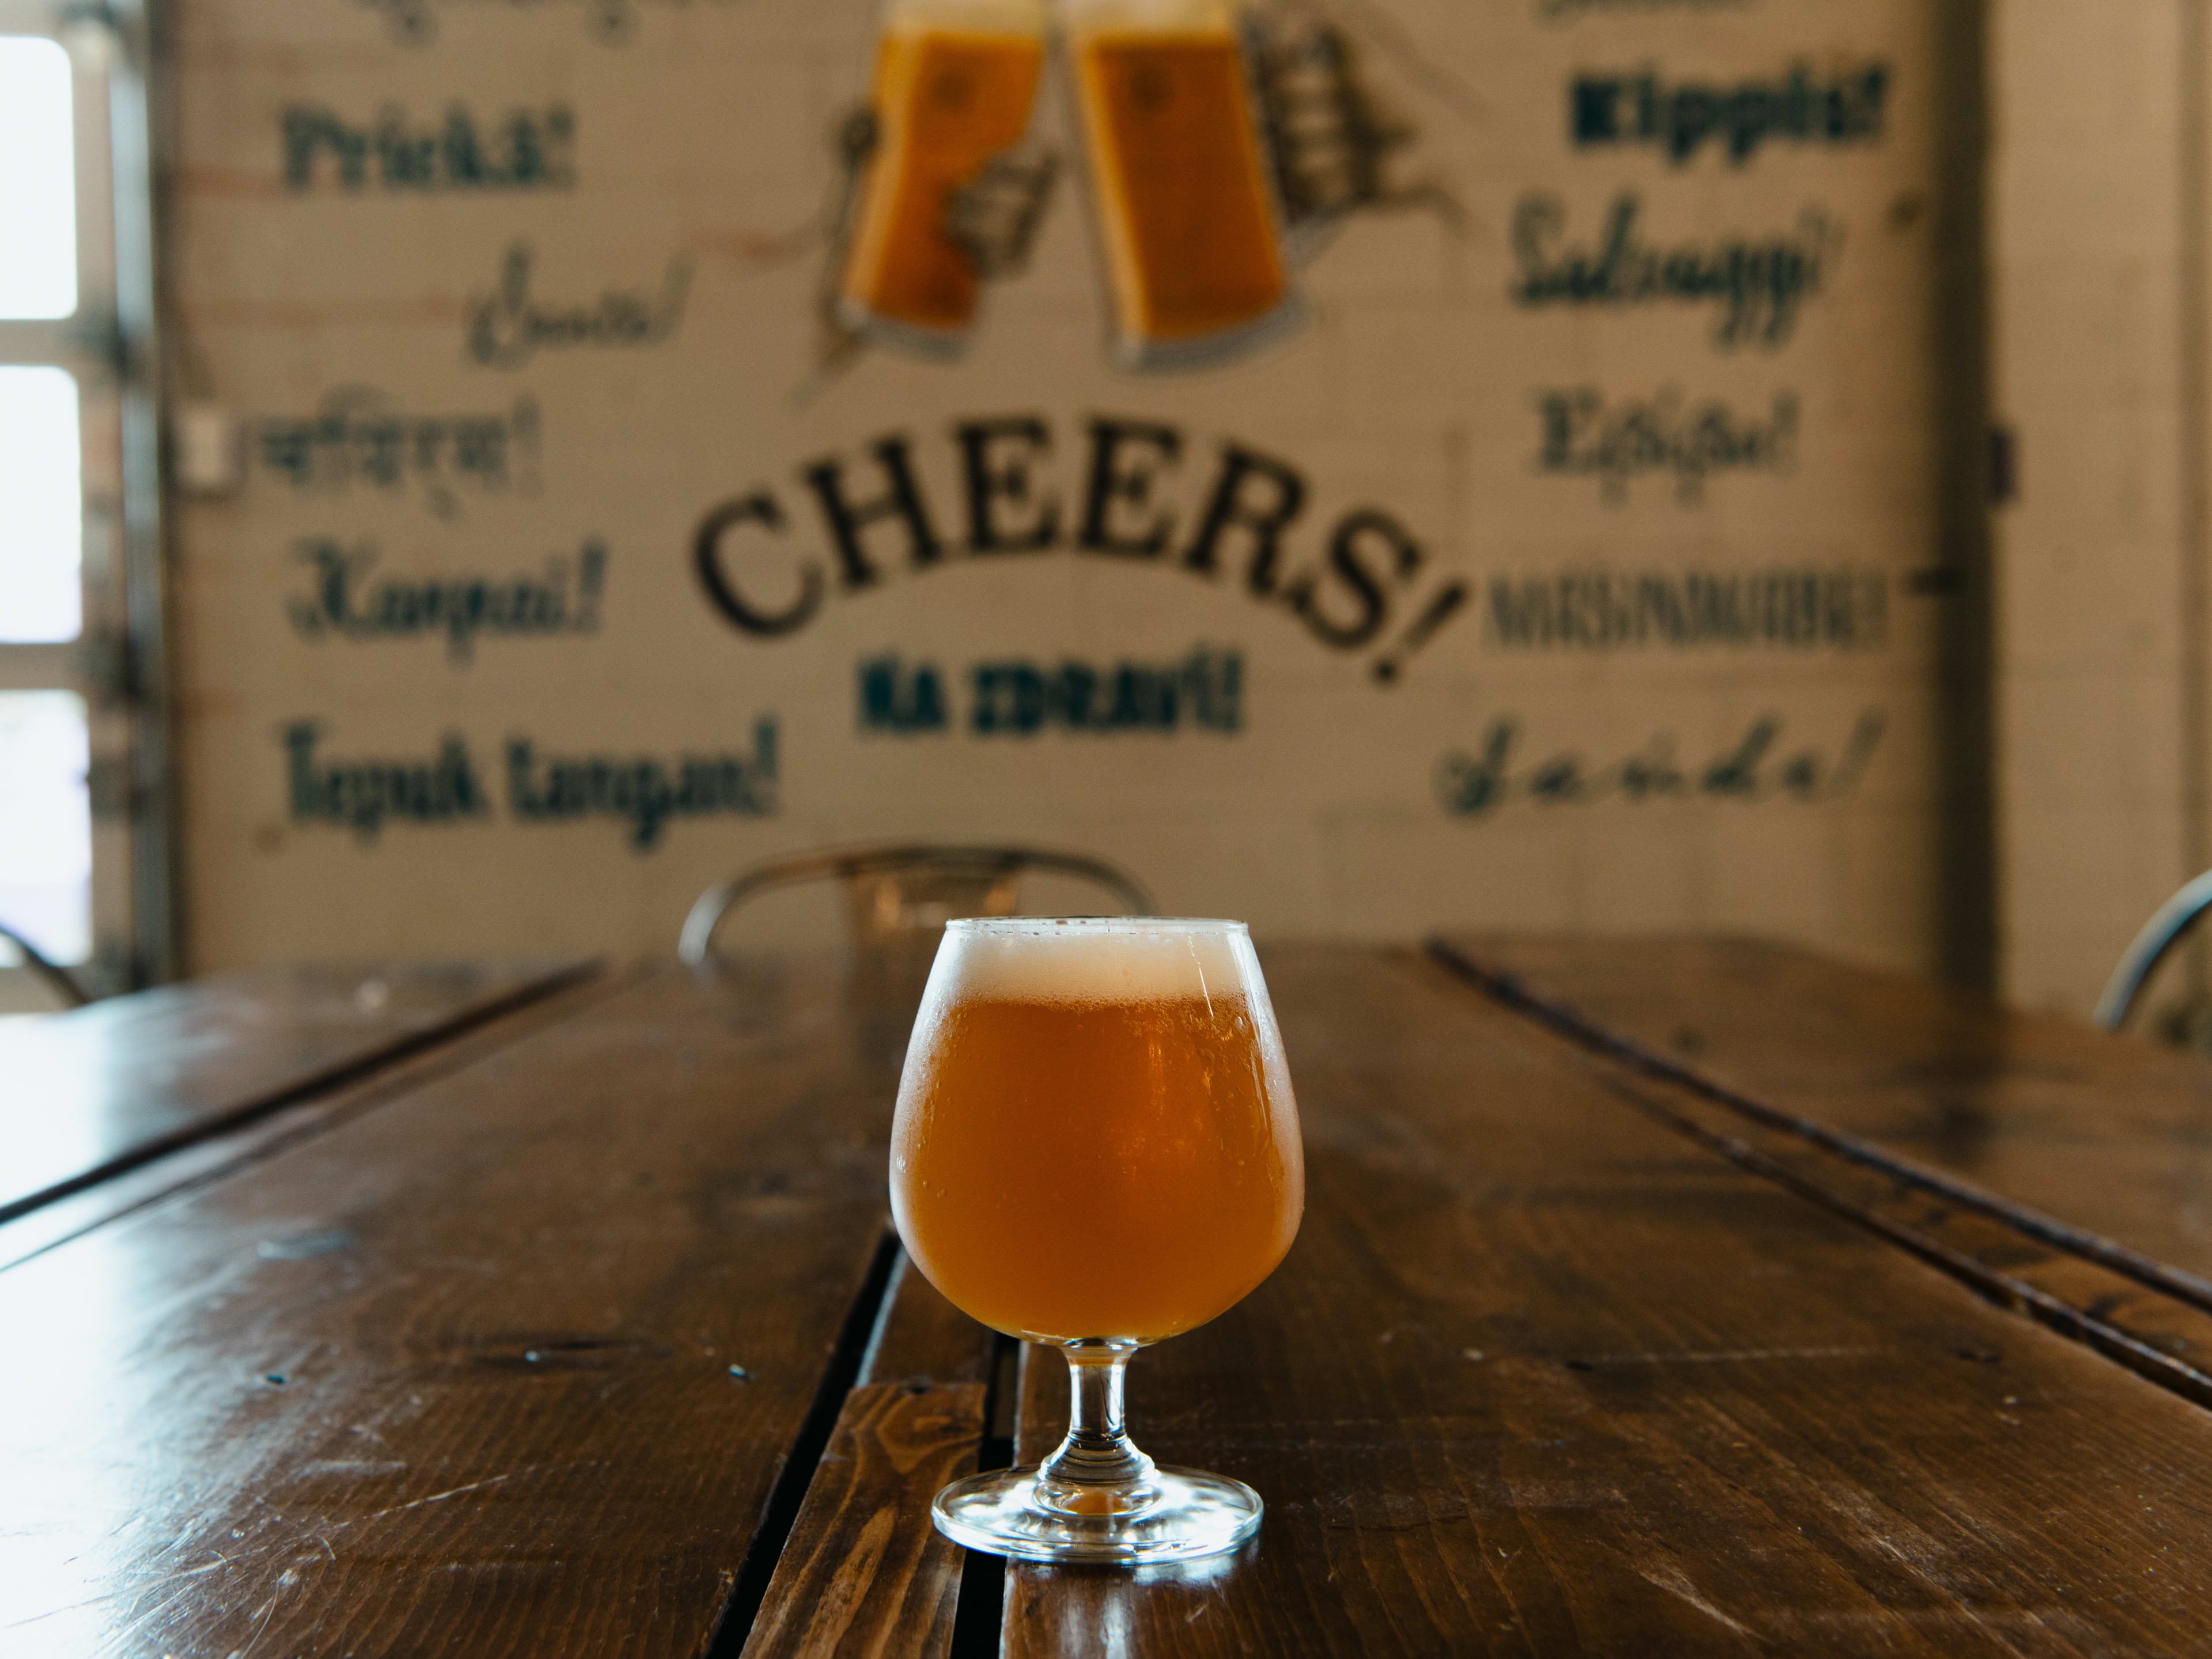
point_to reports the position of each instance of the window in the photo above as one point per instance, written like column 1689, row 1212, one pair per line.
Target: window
column 82, row 846
column 41, row 504
column 38, row 180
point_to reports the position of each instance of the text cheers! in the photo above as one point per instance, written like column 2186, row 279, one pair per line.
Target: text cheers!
column 872, row 519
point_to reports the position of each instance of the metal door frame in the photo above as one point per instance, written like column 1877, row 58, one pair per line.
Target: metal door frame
column 120, row 663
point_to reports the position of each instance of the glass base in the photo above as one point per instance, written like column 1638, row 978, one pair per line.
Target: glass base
column 1203, row 350
column 1171, row 1514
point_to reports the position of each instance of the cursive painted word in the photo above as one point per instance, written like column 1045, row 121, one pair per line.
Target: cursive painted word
column 344, row 602
column 1680, row 119
column 1124, row 500
column 895, row 697
column 356, row 437
column 1583, row 436
column 361, row 794
column 509, row 326
column 1842, row 608
column 643, row 792
column 1752, row 768
column 610, row 21
column 1018, row 698
column 528, row 149
column 1203, row 692
column 1757, row 286
column 1566, row 11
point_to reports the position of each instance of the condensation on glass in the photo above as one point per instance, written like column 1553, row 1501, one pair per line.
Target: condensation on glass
column 45, row 824
column 1096, row 1147
column 38, row 180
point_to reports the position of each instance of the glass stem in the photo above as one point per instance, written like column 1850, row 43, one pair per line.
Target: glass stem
column 1098, row 1452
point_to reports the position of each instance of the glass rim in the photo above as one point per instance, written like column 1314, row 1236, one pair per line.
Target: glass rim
column 1100, row 924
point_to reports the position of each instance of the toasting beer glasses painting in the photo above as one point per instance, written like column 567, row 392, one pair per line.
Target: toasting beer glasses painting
column 1220, row 146
column 1180, row 185
column 954, row 81
column 1097, row 1148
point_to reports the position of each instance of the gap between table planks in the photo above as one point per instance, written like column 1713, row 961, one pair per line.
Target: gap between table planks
column 1819, row 1074
column 100, row 1089
column 513, row 1363
column 1704, row 1414
column 225, row 1150
column 865, row 1571
column 1542, row 1376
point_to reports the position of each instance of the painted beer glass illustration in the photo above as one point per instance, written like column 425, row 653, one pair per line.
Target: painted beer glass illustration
column 1185, row 202
column 955, row 83
column 1097, row 1148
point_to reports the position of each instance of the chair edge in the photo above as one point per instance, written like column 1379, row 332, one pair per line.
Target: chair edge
column 2149, row 947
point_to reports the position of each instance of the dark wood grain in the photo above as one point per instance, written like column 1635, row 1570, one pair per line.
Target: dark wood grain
column 2152, row 1318
column 88, row 1093
column 507, row 1365
column 865, row 1570
column 2106, row 1135
column 223, row 1150
column 1542, row 1376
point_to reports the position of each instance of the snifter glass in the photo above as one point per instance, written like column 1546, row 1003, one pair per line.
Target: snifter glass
column 1097, row 1148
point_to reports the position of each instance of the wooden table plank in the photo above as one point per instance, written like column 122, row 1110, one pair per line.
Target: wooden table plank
column 508, row 1365
column 224, row 1149
column 92, row 1091
column 2055, row 1165
column 2111, row 1134
column 2152, row 1318
column 865, row 1570
column 1541, row 1376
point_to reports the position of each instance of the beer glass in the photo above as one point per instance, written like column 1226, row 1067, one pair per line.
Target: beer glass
column 954, row 83
column 1186, row 204
column 1097, row 1148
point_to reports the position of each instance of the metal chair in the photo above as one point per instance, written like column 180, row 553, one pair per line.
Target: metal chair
column 2159, row 935
column 57, row 979
column 899, row 895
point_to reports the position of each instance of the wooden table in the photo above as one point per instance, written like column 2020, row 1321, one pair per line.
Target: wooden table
column 1651, row 1298
column 200, row 1069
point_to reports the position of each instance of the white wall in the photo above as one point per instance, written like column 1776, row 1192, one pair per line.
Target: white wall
column 2088, row 311
column 700, row 141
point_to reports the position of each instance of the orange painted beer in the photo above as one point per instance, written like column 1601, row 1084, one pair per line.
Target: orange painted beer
column 946, row 100
column 1095, row 1138
column 1185, row 208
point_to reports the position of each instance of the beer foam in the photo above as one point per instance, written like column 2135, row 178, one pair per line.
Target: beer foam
column 1092, row 959
column 1022, row 17
column 1151, row 17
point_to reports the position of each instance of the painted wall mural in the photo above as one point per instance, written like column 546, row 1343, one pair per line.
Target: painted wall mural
column 1366, row 465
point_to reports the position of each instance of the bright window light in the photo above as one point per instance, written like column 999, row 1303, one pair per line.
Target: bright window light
column 45, row 824
column 41, row 507
column 38, row 180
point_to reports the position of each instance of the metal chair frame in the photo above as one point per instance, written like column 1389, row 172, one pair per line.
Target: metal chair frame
column 853, row 865
column 2152, row 947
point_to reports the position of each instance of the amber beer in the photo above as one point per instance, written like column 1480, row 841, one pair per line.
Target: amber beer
column 1186, row 209
column 954, row 84
column 1096, row 1136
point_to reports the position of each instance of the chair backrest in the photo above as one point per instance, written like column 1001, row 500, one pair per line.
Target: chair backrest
column 57, row 979
column 898, row 897
column 2159, row 935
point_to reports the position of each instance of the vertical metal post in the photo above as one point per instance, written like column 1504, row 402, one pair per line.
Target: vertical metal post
column 1967, row 851
column 2193, row 216
column 155, row 945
